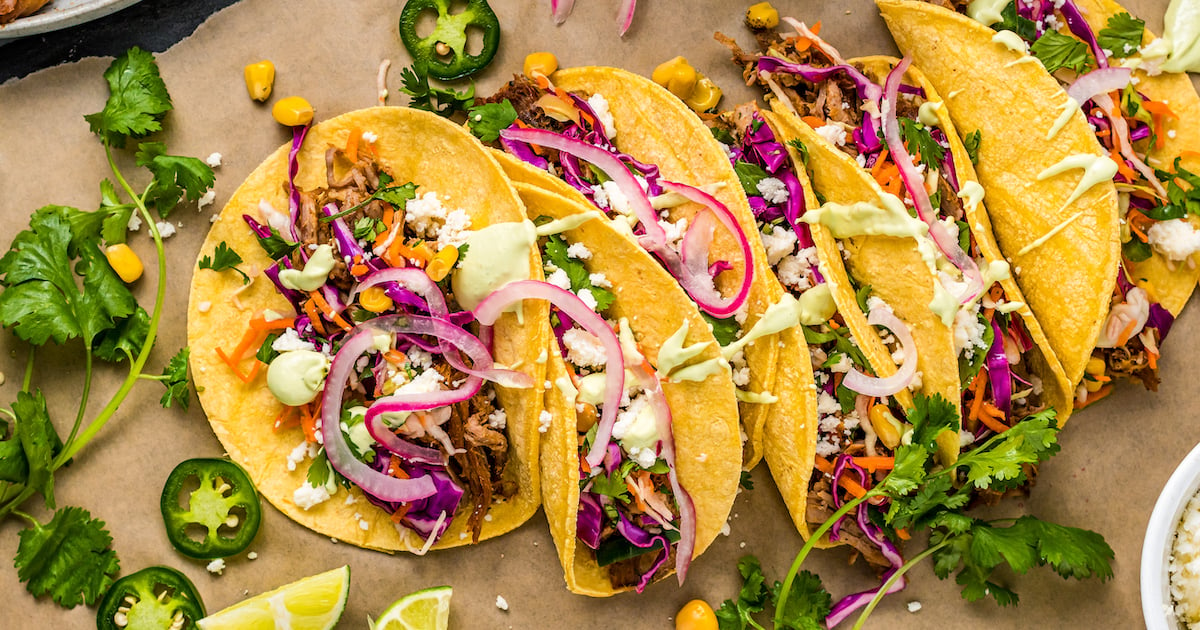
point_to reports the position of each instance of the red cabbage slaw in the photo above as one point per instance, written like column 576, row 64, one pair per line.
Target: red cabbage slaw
column 579, row 143
column 605, row 454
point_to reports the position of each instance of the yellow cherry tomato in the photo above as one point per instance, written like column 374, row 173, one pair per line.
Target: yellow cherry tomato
column 696, row 615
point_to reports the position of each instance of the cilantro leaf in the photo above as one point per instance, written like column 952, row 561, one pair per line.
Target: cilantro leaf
column 137, row 102
column 319, row 471
column 275, row 245
column 1072, row 552
column 175, row 379
column 125, row 340
column 69, row 558
column 1181, row 201
column 174, row 177
column 366, row 229
column 223, row 258
column 1010, row 20
column 266, row 353
column 724, row 330
column 40, row 443
column 1056, row 51
column 611, row 486
column 42, row 301
column 580, row 279
column 752, row 597
column 930, row 416
column 798, row 145
column 487, row 120
column 746, row 482
column 1122, row 36
column 443, row 102
column 917, row 135
column 750, row 175
column 808, row 603
column 398, row 196
column 971, row 144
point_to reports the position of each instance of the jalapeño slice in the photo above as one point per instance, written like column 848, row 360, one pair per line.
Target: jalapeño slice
column 443, row 53
column 155, row 598
column 210, row 508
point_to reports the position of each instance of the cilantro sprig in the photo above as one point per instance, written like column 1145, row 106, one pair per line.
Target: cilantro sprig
column 441, row 101
column 921, row 493
column 1056, row 51
column 223, row 258
column 57, row 286
column 1121, row 35
column 487, row 120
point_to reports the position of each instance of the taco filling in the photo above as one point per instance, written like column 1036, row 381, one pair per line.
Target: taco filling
column 852, row 112
column 1096, row 70
column 394, row 393
column 633, row 516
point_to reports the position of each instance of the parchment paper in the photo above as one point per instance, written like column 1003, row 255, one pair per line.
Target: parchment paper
column 1116, row 456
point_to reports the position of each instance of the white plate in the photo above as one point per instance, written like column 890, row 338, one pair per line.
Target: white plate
column 61, row 14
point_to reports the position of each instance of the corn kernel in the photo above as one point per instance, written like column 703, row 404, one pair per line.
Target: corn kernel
column 543, row 63
column 1095, row 366
column 260, row 78
column 762, row 16
column 696, row 615
column 705, row 97
column 124, row 261
column 1092, row 386
column 442, row 263
column 374, row 299
column 292, row 111
column 886, row 426
column 677, row 75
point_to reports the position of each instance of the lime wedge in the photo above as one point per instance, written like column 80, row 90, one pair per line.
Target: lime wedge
column 424, row 610
column 313, row 603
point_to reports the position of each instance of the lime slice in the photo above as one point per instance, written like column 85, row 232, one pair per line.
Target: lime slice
column 313, row 603
column 424, row 610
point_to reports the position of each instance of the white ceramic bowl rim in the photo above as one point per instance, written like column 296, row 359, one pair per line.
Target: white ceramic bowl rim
column 1160, row 538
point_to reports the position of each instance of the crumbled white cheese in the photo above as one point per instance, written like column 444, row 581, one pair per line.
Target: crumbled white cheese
column 213, row 159
column 1176, row 239
column 599, row 105
column 501, row 603
column 585, row 296
column 253, row 555
column 833, row 133
column 216, row 567
column 419, row 358
column 135, row 222
column 290, row 340
column 166, row 229
column 427, row 217
column 544, row 421
column 583, row 348
column 773, row 190
column 497, row 419
column 579, row 251
column 599, row 280
column 968, row 331
column 914, row 606
column 741, row 371
column 206, row 199
column 306, row 496
column 778, row 243
column 674, row 232
column 297, row 456
column 559, row 279
column 454, row 229
column 204, row 307
column 827, row 404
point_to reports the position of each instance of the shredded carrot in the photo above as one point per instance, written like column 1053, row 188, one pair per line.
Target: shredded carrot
column 395, row 357
column 1151, row 358
column 330, row 314
column 879, row 162
column 903, row 534
column 232, row 366
column 816, row 28
column 991, row 418
column 310, row 309
column 849, row 484
column 254, row 368
column 635, row 490
column 260, row 323
column 1189, row 153
column 401, row 512
column 308, row 422
column 813, row 121
column 583, row 463
column 977, row 387
column 1159, row 112
column 834, row 325
column 286, row 419
column 352, row 144
column 1093, row 397
column 1126, row 334
column 876, row 463
column 1122, row 167
column 1139, row 224
column 359, row 269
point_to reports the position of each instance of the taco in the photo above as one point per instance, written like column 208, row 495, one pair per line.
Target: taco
column 344, row 373
column 592, row 127
column 638, row 476
column 1119, row 115
column 976, row 340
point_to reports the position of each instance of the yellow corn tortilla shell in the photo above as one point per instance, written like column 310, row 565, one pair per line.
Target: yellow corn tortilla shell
column 791, row 434
column 656, row 127
column 436, row 155
column 1171, row 284
column 705, row 415
column 1014, row 107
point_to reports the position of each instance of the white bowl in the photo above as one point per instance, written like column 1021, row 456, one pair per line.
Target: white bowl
column 1160, row 538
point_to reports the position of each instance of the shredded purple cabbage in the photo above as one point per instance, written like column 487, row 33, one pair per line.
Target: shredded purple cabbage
column 998, row 371
column 422, row 514
column 1080, row 28
column 867, row 89
column 1160, row 319
column 644, row 540
column 298, row 134
column 589, row 520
